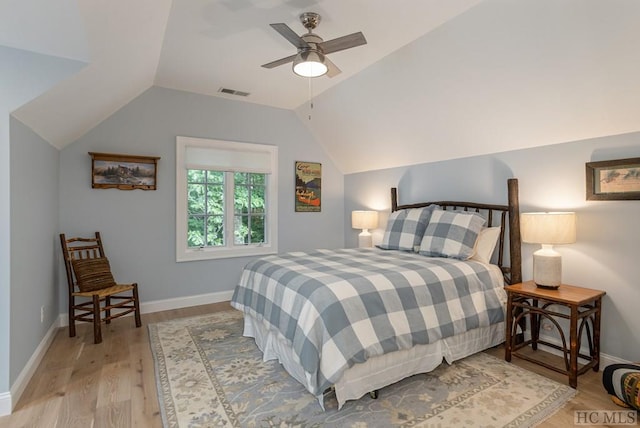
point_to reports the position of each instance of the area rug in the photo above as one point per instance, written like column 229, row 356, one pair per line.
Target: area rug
column 209, row 375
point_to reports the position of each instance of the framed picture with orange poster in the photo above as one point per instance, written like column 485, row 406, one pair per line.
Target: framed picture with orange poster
column 308, row 187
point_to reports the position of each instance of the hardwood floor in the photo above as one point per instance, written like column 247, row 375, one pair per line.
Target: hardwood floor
column 112, row 384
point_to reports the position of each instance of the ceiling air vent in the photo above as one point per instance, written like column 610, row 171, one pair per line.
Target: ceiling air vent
column 233, row 92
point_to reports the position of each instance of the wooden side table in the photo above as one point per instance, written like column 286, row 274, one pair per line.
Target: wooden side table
column 585, row 306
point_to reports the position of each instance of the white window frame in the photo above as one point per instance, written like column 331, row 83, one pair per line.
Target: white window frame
column 230, row 249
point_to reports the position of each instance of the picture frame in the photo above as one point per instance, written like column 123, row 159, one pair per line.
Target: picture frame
column 613, row 180
column 124, row 172
column 308, row 193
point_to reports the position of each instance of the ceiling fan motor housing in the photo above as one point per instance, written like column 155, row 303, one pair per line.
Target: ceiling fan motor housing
column 313, row 40
column 310, row 20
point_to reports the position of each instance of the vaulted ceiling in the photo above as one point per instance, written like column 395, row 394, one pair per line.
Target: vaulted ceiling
column 438, row 79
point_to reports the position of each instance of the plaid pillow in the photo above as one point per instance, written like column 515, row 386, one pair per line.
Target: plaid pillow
column 451, row 234
column 93, row 274
column 405, row 228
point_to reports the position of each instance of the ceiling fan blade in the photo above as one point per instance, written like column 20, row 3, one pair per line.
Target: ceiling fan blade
column 290, row 35
column 342, row 43
column 278, row 62
column 332, row 69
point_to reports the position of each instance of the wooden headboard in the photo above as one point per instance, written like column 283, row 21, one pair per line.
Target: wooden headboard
column 505, row 216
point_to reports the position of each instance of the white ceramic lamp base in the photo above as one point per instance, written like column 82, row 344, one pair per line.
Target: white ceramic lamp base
column 364, row 239
column 547, row 267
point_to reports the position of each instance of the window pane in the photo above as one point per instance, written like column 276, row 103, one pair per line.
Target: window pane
column 205, row 206
column 195, row 176
column 249, row 229
column 249, row 200
column 257, row 229
column 216, row 177
column 257, row 199
column 195, row 231
column 241, row 199
column 240, row 178
column 196, row 199
column 215, row 230
column 258, row 179
column 215, row 199
column 241, row 230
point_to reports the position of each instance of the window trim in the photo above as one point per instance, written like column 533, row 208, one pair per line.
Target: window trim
column 184, row 253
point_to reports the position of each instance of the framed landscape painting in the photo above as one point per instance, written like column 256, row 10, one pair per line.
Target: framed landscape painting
column 308, row 197
column 124, row 172
column 613, row 180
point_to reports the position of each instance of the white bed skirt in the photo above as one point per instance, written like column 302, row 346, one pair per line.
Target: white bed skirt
column 382, row 370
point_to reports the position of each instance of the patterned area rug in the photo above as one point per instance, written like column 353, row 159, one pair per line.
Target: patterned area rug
column 208, row 375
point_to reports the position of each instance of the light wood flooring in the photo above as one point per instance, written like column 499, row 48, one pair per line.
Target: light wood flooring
column 112, row 384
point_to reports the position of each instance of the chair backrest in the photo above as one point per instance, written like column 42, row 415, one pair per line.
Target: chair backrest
column 79, row 249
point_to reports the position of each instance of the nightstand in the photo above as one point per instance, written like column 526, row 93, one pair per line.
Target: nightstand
column 527, row 300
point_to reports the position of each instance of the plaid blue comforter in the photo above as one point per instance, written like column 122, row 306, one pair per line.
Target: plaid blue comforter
column 341, row 307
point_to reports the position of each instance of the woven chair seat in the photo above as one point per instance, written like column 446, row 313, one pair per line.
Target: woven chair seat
column 104, row 292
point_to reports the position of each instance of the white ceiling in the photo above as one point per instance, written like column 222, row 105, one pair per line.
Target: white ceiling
column 213, row 44
column 505, row 75
column 194, row 45
column 438, row 79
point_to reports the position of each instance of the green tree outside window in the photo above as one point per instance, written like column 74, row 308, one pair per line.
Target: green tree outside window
column 206, row 208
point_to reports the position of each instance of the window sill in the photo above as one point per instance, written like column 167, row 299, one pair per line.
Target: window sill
column 220, row 253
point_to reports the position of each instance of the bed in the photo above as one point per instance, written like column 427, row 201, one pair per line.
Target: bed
column 356, row 320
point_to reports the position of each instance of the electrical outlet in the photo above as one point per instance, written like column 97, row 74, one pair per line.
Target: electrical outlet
column 42, row 314
column 547, row 326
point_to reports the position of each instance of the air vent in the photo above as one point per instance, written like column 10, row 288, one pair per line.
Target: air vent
column 233, row 92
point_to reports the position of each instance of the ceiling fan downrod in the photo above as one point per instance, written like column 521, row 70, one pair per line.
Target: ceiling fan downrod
column 310, row 20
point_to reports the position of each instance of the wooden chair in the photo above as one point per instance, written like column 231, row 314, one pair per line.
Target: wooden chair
column 89, row 277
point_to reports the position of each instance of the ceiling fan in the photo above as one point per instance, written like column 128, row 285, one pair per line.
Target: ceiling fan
column 310, row 61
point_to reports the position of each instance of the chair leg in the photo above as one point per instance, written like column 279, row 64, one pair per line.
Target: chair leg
column 72, row 317
column 136, row 304
column 97, row 334
column 107, row 312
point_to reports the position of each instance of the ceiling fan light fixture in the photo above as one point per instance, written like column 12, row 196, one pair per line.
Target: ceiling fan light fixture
column 309, row 63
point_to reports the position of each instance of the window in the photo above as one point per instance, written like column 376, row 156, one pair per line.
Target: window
column 226, row 199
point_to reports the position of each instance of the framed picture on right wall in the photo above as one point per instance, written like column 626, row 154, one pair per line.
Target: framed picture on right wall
column 613, row 180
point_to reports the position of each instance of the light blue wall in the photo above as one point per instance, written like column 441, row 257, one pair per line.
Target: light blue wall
column 34, row 242
column 550, row 178
column 138, row 227
column 23, row 76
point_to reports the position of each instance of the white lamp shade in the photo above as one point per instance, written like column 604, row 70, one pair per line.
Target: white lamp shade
column 364, row 219
column 309, row 64
column 548, row 228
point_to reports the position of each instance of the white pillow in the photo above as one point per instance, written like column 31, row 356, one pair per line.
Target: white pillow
column 485, row 244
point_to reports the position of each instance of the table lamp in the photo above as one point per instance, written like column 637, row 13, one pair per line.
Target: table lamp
column 364, row 220
column 548, row 229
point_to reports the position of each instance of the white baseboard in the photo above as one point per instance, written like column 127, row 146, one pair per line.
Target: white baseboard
column 185, row 302
column 9, row 399
column 168, row 304
column 5, row 403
